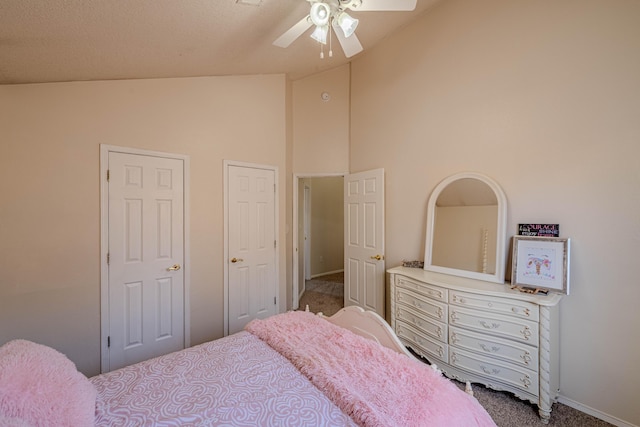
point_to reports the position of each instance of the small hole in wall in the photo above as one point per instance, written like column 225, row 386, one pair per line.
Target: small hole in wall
column 325, row 96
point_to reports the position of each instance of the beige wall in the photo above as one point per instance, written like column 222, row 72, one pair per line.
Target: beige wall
column 327, row 224
column 321, row 128
column 288, row 195
column 544, row 97
column 320, row 134
column 50, row 211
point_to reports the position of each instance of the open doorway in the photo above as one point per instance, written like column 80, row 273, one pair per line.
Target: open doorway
column 318, row 259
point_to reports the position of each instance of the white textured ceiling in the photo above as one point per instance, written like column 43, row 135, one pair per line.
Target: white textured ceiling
column 76, row 40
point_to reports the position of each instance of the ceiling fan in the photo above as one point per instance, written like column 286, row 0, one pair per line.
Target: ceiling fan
column 327, row 14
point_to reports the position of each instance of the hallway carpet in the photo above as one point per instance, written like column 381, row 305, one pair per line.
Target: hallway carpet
column 324, row 294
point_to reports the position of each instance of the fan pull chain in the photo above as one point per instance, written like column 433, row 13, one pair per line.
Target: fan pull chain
column 330, row 38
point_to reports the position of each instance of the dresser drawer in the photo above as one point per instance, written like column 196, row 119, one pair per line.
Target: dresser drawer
column 433, row 292
column 422, row 344
column 522, row 309
column 496, row 370
column 422, row 304
column 495, row 324
column 507, row 350
column 432, row 328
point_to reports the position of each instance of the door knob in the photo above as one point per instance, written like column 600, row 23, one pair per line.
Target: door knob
column 174, row 267
column 234, row 260
column 377, row 257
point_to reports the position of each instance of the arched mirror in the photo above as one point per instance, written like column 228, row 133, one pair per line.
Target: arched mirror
column 466, row 228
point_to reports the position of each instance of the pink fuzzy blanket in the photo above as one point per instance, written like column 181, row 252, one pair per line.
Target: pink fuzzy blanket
column 374, row 385
column 40, row 386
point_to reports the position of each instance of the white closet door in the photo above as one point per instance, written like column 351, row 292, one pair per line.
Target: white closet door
column 146, row 254
column 252, row 286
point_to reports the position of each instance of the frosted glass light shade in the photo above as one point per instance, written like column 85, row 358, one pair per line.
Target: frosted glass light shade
column 347, row 24
column 320, row 34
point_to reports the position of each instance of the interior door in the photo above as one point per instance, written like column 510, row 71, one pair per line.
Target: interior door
column 364, row 265
column 146, row 254
column 251, row 245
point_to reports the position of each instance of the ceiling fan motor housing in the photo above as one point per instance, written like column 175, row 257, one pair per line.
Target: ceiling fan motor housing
column 350, row 4
column 320, row 13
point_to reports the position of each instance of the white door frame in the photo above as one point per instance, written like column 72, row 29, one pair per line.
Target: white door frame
column 104, row 244
column 296, row 267
column 225, row 298
column 306, row 229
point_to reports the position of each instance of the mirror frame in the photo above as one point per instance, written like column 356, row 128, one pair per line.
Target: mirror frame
column 498, row 276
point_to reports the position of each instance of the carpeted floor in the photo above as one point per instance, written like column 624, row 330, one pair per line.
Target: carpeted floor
column 508, row 411
column 326, row 294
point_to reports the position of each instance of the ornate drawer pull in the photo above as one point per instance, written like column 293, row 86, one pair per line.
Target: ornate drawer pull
column 461, row 300
column 489, row 326
column 454, row 317
column 492, row 349
column 454, row 338
column 435, row 294
column 526, row 381
column 526, row 357
column 526, row 333
column 492, row 371
column 516, row 310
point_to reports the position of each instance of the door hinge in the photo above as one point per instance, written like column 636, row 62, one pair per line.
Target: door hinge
column 107, row 175
column 108, row 258
column 275, row 243
column 274, row 301
column 109, row 341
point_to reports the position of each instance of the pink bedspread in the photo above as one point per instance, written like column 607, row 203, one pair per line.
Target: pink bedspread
column 374, row 385
column 234, row 381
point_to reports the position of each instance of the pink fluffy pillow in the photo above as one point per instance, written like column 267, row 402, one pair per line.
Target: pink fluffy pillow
column 40, row 386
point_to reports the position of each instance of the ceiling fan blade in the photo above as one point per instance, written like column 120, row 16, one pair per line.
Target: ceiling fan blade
column 385, row 5
column 294, row 32
column 350, row 45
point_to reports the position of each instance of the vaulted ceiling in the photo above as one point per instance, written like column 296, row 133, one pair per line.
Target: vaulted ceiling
column 77, row 40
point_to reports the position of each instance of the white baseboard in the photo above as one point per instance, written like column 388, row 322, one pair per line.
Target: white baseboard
column 594, row 412
column 313, row 276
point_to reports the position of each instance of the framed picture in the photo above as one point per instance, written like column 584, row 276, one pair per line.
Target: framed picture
column 541, row 263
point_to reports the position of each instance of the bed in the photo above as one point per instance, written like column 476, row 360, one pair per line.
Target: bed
column 292, row 369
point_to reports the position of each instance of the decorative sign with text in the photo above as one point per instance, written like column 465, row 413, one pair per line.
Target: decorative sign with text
column 539, row 230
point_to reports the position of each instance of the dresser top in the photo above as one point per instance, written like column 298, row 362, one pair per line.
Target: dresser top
column 475, row 286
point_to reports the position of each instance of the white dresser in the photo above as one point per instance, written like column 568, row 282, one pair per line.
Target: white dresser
column 480, row 332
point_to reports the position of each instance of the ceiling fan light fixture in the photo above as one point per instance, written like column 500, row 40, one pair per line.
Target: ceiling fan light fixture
column 347, row 23
column 320, row 14
column 320, row 33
